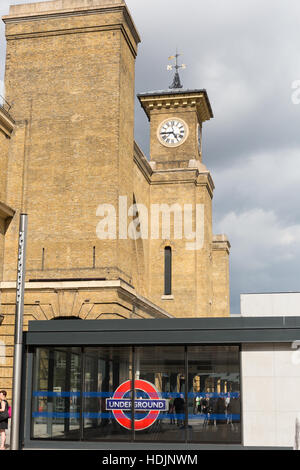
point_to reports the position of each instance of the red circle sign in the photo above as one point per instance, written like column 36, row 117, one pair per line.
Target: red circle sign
column 152, row 415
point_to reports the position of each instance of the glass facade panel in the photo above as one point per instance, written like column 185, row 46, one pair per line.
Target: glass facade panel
column 181, row 394
column 164, row 368
column 56, row 393
column 214, row 408
column 105, row 369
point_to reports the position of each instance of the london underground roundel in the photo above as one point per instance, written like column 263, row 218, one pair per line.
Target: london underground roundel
column 147, row 407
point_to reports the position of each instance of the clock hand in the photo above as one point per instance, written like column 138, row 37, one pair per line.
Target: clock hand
column 168, row 133
column 175, row 135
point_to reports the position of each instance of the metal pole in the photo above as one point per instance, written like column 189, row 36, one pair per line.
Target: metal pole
column 16, row 398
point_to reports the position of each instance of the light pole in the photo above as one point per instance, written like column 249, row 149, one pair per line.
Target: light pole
column 17, row 374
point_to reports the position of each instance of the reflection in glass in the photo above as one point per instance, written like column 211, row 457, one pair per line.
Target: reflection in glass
column 163, row 367
column 56, row 393
column 182, row 393
column 104, row 370
column 214, row 408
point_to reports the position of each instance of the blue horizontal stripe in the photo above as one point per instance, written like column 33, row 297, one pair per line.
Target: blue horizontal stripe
column 98, row 394
column 110, row 394
column 200, row 417
column 171, row 395
column 56, row 394
column 214, row 395
column 46, row 414
column 97, row 415
column 88, row 415
column 45, row 394
column 217, row 417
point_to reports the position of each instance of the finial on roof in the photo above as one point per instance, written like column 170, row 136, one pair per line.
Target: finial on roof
column 176, row 81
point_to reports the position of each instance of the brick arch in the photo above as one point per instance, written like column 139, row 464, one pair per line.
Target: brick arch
column 57, row 304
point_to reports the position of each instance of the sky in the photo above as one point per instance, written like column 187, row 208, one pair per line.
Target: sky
column 246, row 54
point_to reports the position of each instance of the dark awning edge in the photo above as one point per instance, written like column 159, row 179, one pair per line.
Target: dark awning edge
column 165, row 331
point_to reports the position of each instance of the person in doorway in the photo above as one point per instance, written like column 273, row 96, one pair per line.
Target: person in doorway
column 220, row 410
column 4, row 420
column 227, row 406
column 179, row 409
column 235, row 410
column 171, row 409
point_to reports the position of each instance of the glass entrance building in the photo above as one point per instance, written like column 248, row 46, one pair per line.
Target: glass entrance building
column 198, row 386
column 174, row 383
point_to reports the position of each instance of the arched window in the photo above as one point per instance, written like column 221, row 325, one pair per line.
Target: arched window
column 168, row 270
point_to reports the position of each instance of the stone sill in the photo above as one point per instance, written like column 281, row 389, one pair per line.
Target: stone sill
column 167, row 297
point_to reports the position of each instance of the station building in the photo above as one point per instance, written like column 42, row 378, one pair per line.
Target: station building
column 113, row 235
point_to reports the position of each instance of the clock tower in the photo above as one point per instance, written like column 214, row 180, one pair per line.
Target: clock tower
column 176, row 118
column 197, row 279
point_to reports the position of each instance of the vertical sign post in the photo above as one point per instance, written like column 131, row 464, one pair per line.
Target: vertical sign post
column 18, row 346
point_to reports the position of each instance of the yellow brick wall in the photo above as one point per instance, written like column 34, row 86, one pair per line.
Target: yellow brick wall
column 2, row 234
column 179, row 177
column 141, row 264
column 5, row 132
column 191, row 269
column 220, row 277
column 4, row 143
column 73, row 142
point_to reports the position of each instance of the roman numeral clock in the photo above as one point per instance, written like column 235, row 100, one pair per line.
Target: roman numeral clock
column 176, row 116
column 172, row 132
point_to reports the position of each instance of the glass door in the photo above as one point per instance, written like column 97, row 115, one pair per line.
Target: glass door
column 160, row 393
column 214, row 407
column 56, row 394
column 107, row 385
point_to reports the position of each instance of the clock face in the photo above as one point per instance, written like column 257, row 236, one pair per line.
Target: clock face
column 172, row 132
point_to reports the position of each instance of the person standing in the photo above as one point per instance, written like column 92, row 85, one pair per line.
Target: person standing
column 171, row 409
column 4, row 415
column 179, row 409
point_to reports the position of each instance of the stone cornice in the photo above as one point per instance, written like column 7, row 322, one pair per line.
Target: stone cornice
column 190, row 175
column 205, row 178
column 174, row 176
column 6, row 212
column 71, row 12
column 122, row 287
column 35, row 7
column 6, row 122
column 221, row 243
column 183, row 176
column 165, row 100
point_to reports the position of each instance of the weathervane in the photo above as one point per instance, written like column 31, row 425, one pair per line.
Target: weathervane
column 176, row 82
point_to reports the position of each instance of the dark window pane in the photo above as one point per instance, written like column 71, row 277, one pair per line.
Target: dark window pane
column 56, row 393
column 105, row 370
column 168, row 270
column 214, row 408
column 163, row 368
